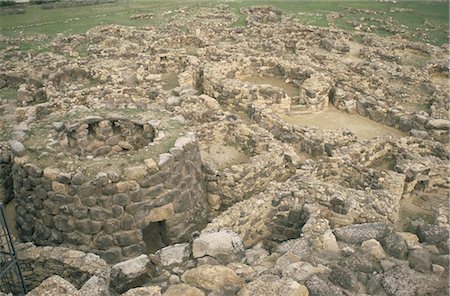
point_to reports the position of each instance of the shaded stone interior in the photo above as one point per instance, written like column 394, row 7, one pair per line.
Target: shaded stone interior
column 99, row 136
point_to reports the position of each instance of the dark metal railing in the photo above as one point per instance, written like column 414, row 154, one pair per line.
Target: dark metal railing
column 11, row 279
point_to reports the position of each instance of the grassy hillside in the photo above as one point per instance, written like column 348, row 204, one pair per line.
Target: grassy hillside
column 426, row 21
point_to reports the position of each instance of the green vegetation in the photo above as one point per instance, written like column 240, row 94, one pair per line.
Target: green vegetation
column 8, row 94
column 425, row 21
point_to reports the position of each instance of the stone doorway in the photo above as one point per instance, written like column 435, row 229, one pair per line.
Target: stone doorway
column 155, row 236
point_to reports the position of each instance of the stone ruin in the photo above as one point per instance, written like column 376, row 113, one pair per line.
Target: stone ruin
column 108, row 195
column 179, row 158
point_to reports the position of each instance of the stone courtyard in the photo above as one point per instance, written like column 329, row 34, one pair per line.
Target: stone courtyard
column 201, row 159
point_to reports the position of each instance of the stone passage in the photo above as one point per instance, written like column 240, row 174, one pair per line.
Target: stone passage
column 96, row 197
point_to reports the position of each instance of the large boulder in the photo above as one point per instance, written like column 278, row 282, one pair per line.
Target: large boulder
column 357, row 233
column 318, row 287
column 420, row 259
column 54, row 285
column 130, row 274
column 95, row 286
column 269, row 285
column 302, row 270
column 174, row 255
column 17, row 148
column 183, row 289
column 225, row 246
column 400, row 280
column 211, row 277
column 435, row 235
column 144, row 291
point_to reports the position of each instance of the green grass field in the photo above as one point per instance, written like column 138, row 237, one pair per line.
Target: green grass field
column 425, row 21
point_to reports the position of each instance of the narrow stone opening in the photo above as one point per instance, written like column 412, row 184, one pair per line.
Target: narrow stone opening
column 155, row 236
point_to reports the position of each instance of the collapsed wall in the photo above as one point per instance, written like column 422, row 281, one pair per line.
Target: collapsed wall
column 112, row 184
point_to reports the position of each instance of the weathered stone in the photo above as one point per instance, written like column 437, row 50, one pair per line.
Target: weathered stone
column 135, row 173
column 435, row 235
column 17, row 148
column 301, row 271
column 165, row 160
column 401, row 280
column 225, row 246
column 126, row 238
column 130, row 274
column 64, row 178
column 211, row 277
column 54, row 285
column 95, row 286
column 319, row 287
column 344, row 277
column 374, row 248
column 420, row 260
column 121, row 199
column 134, row 250
column 151, row 165
column 183, row 289
column 51, row 173
column 174, row 255
column 396, row 246
column 33, row 170
column 88, row 226
column 357, row 233
column 144, row 291
column 441, row 124
column 269, row 285
column 126, row 186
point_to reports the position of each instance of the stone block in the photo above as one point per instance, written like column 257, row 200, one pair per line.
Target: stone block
column 211, row 277
column 121, row 199
column 130, row 274
column 126, row 186
column 88, row 226
column 174, row 255
column 225, row 246
column 135, row 173
column 127, row 238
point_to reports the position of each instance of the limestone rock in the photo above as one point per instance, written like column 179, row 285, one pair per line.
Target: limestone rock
column 357, row 233
column 319, row 287
column 95, row 286
column 54, row 285
column 130, row 274
column 441, row 124
column 211, row 277
column 144, row 291
column 420, row 260
column 374, row 248
column 400, row 280
column 17, row 148
column 395, row 246
column 301, row 271
column 270, row 285
column 298, row 247
column 174, row 255
column 435, row 235
column 183, row 289
column 225, row 246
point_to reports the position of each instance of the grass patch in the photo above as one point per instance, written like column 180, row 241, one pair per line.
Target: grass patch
column 8, row 94
column 425, row 21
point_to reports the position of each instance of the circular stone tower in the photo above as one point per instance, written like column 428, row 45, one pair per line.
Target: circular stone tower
column 116, row 184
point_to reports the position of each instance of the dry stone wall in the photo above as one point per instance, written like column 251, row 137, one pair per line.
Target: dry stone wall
column 39, row 263
column 106, row 212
